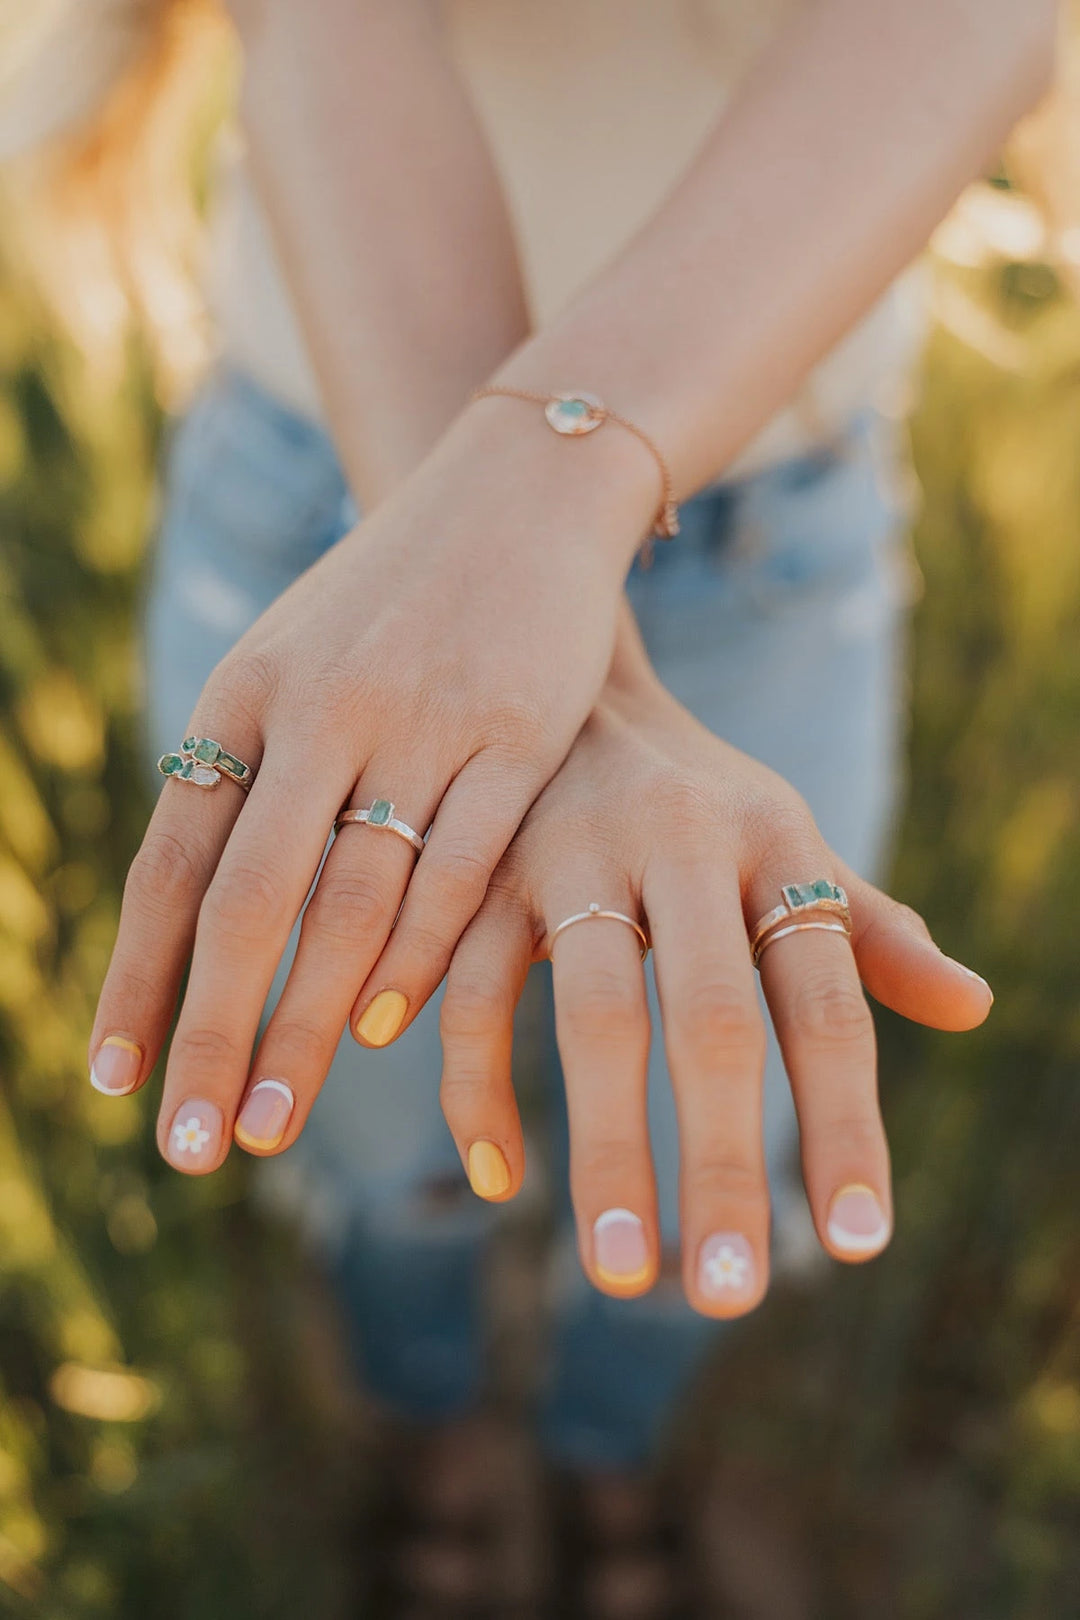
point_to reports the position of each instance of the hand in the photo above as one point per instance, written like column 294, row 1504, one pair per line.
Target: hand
column 653, row 816
column 443, row 655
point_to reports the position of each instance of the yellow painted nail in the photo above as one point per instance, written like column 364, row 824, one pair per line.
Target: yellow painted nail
column 380, row 1022
column 489, row 1173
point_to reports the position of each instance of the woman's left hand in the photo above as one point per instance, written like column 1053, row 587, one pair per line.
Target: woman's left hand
column 654, row 817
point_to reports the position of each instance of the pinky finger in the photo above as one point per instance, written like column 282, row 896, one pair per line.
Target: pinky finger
column 483, row 987
column 902, row 967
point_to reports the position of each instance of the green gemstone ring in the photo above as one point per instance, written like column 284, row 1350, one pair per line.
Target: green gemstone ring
column 381, row 814
column 802, row 904
column 204, row 762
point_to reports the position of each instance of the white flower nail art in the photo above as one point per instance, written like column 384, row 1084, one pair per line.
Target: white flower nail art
column 727, row 1268
column 189, row 1136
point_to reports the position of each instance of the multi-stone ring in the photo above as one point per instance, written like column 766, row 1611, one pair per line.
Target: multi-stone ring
column 381, row 814
column 802, row 905
column 203, row 762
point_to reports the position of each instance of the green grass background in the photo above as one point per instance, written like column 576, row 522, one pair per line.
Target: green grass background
column 170, row 1441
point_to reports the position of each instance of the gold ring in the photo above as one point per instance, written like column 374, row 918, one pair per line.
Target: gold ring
column 203, row 762
column 595, row 910
column 798, row 899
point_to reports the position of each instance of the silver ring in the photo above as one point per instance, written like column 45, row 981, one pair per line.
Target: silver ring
column 381, row 814
column 799, row 928
column 595, row 910
column 203, row 762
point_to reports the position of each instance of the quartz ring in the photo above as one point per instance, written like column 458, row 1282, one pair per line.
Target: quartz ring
column 203, row 762
column 595, row 910
column 802, row 904
column 381, row 814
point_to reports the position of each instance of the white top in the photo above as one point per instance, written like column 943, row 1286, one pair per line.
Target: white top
column 593, row 108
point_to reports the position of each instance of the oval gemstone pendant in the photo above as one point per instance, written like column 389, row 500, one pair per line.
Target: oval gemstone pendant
column 575, row 413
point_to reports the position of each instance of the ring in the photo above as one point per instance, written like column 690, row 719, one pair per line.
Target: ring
column 799, row 928
column 595, row 911
column 800, row 898
column 381, row 814
column 204, row 762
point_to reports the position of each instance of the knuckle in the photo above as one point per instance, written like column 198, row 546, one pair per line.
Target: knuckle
column 458, row 881
column 206, row 1049
column 851, row 1132
column 474, row 1007
column 614, row 1160
column 303, row 1041
column 604, row 1006
column 462, row 1089
column 346, row 906
column 782, row 827
column 685, row 804
column 726, row 1171
column 717, row 1021
column 908, row 918
column 832, row 1012
column 165, row 868
column 243, row 900
column 245, row 682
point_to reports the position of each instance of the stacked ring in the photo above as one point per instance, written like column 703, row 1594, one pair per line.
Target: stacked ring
column 595, row 910
column 203, row 762
column 381, row 814
column 803, row 904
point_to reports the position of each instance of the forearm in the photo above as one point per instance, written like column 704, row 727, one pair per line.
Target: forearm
column 822, row 180
column 387, row 215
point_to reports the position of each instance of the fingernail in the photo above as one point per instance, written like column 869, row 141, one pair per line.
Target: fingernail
column 620, row 1251
column 489, row 1173
column 726, row 1269
column 971, row 974
column 380, row 1022
column 265, row 1114
column 857, row 1221
column 116, row 1065
column 194, row 1135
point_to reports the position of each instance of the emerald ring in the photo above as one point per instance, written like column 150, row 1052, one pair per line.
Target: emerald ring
column 381, row 814
column 204, row 762
column 801, row 904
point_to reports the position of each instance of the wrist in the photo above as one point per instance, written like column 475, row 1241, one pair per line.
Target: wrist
column 606, row 481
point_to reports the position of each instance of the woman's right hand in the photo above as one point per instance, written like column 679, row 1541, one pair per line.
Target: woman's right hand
column 443, row 656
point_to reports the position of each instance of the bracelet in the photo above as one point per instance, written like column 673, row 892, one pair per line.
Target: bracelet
column 577, row 413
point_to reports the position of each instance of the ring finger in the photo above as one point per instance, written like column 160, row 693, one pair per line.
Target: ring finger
column 826, row 1034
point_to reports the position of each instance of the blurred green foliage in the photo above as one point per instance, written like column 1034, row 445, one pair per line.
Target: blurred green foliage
column 170, row 1438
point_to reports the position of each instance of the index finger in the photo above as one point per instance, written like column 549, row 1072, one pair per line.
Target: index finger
column 164, row 888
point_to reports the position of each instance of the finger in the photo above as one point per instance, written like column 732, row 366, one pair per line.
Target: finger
column 479, row 814
column 826, row 1035
column 164, row 889
column 902, row 967
column 602, row 1027
column 715, row 1042
column 346, row 922
column 244, row 923
column 486, row 978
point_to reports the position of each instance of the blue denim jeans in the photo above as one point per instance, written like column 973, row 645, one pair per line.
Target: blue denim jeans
column 777, row 618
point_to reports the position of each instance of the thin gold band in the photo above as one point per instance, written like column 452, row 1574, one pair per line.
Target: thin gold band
column 665, row 524
column 595, row 911
column 798, row 928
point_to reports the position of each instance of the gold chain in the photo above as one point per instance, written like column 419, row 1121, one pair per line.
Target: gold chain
column 665, row 525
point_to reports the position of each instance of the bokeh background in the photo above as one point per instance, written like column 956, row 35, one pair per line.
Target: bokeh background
column 179, row 1435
